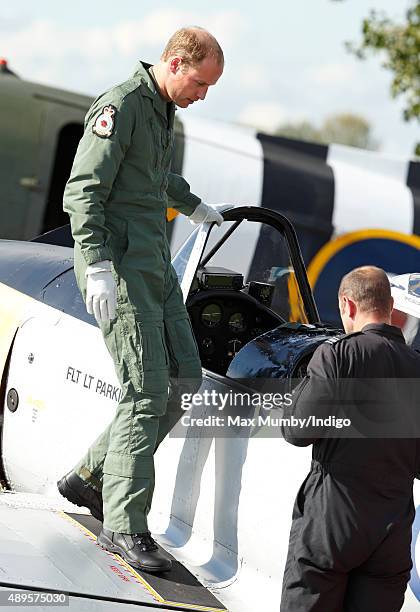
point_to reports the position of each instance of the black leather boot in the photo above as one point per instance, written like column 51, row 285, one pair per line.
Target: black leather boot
column 138, row 549
column 79, row 492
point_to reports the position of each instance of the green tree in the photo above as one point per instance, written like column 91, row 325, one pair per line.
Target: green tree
column 344, row 128
column 348, row 129
column 303, row 130
column 399, row 43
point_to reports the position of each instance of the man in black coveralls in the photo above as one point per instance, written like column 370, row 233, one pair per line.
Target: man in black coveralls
column 349, row 547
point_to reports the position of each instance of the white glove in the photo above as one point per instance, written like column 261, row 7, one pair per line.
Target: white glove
column 204, row 213
column 101, row 291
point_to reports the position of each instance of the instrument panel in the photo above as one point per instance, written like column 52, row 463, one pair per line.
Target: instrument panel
column 224, row 321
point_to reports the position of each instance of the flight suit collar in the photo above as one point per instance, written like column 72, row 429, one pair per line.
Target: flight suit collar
column 150, row 90
column 385, row 330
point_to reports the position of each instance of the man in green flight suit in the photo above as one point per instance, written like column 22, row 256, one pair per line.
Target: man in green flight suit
column 117, row 198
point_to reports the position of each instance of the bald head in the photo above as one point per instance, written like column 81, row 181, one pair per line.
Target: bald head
column 193, row 44
column 365, row 297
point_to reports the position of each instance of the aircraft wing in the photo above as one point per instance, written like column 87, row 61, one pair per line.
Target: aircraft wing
column 47, row 554
column 406, row 293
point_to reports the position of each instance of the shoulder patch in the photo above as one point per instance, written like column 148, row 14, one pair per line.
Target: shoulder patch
column 333, row 339
column 105, row 122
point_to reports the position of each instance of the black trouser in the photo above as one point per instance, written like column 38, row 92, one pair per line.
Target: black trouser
column 349, row 548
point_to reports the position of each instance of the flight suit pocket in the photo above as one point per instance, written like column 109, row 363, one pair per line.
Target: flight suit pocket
column 162, row 145
column 145, row 355
column 168, row 150
column 157, row 150
column 154, row 354
column 151, row 373
column 181, row 338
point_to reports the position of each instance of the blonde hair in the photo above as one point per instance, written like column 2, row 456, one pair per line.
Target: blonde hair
column 193, row 44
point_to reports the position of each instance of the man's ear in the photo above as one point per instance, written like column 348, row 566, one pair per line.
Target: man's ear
column 352, row 308
column 175, row 64
column 347, row 307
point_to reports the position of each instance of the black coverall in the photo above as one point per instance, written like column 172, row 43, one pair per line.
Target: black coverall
column 349, row 547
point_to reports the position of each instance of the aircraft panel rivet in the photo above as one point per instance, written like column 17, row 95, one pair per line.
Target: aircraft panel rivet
column 31, row 357
column 12, row 400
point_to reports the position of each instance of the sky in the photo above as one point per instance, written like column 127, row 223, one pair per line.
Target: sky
column 285, row 61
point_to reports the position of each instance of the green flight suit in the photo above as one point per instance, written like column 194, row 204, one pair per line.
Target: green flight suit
column 117, row 196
